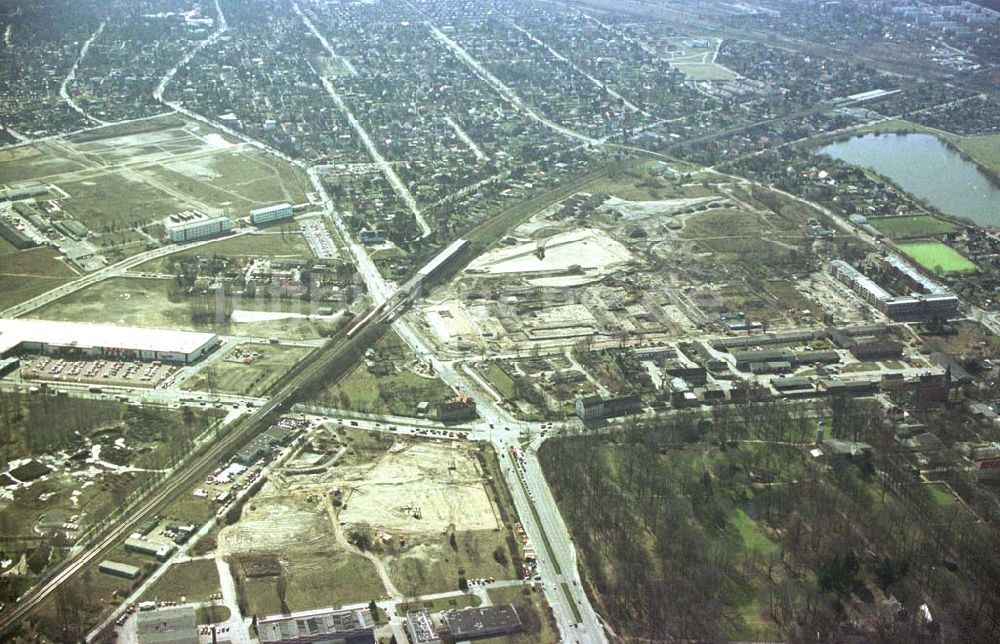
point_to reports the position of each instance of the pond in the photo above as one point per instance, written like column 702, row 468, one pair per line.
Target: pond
column 928, row 169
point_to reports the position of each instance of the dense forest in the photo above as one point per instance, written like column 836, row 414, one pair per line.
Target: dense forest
column 732, row 527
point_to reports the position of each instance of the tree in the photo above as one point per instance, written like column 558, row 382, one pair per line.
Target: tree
column 373, row 609
column 500, row 556
column 839, row 573
column 463, row 583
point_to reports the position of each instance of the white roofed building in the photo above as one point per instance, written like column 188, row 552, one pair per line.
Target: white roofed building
column 104, row 340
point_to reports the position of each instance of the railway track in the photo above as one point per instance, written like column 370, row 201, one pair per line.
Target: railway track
column 190, row 473
column 322, row 365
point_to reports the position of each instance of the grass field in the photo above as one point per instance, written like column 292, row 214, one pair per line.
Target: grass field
column 984, row 149
column 127, row 176
column 705, row 71
column 212, row 614
column 912, row 227
column 193, row 580
column 149, row 303
column 25, row 274
column 433, row 565
column 285, row 241
column 113, row 199
column 636, row 184
column 503, row 383
column 437, row 605
column 29, row 163
column 527, row 600
column 316, row 579
column 938, row 258
column 734, row 223
column 386, row 385
column 254, row 379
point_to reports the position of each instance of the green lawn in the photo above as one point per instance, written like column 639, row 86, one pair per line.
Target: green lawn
column 503, row 383
column 436, row 605
column 193, row 580
column 938, row 258
column 432, row 565
column 912, row 227
column 984, row 149
column 942, row 496
column 539, row 628
column 750, row 533
column 384, row 384
column 25, row 274
column 155, row 303
column 316, row 579
column 254, row 379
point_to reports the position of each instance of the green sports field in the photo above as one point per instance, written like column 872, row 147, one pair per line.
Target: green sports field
column 912, row 227
column 937, row 257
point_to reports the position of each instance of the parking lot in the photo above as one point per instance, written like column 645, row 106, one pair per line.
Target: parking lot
column 318, row 237
column 107, row 372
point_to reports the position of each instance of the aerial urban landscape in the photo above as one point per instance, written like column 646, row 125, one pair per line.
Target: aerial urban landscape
column 517, row 321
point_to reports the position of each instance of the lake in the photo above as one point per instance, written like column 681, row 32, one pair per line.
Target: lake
column 928, row 169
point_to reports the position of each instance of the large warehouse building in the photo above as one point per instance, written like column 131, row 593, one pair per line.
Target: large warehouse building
column 104, row 341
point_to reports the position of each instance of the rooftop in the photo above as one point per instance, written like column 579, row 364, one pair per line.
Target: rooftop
column 173, row 625
column 482, row 621
column 325, row 621
column 84, row 335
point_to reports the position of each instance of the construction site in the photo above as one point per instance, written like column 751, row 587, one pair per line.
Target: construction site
column 672, row 259
column 351, row 516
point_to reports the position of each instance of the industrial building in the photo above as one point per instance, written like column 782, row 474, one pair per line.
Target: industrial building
column 16, row 194
column 594, row 407
column 480, row 622
column 264, row 444
column 421, row 628
column 71, row 228
column 462, row 408
column 323, row 625
column 8, row 366
column 169, row 625
column 268, row 214
column 116, row 569
column 370, row 237
column 191, row 225
column 765, row 361
column 81, row 339
column 161, row 551
column 929, row 298
column 16, row 237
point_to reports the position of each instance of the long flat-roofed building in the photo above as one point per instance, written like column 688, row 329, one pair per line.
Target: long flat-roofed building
column 270, row 213
column 930, row 299
column 170, row 625
column 104, row 341
column 323, row 625
column 191, row 225
column 482, row 622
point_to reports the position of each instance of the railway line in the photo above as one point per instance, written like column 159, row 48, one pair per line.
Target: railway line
column 320, row 366
column 324, row 365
